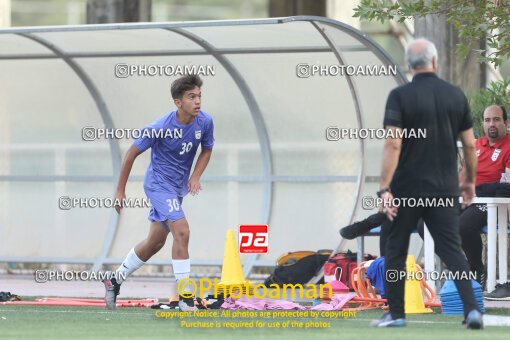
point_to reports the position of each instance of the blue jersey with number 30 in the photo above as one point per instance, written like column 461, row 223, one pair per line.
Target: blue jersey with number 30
column 174, row 146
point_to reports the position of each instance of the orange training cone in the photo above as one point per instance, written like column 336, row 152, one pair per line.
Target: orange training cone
column 413, row 298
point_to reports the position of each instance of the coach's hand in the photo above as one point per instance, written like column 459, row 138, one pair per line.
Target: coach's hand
column 467, row 190
column 194, row 185
column 387, row 207
column 120, row 197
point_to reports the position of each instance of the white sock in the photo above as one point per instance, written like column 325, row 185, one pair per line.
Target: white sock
column 182, row 269
column 131, row 263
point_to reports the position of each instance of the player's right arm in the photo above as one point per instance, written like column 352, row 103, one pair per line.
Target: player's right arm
column 125, row 170
column 147, row 140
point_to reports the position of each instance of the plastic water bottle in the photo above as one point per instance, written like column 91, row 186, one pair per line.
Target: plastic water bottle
column 504, row 178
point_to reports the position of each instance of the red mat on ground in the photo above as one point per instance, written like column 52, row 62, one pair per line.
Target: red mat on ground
column 80, row 302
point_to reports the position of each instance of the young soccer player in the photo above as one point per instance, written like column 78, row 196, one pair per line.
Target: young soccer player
column 174, row 140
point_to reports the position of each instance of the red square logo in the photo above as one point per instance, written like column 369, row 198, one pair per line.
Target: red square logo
column 253, row 239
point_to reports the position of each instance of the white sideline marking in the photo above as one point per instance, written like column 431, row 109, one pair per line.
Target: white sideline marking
column 496, row 320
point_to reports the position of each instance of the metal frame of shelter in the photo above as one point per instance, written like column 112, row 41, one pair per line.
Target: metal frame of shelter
column 267, row 177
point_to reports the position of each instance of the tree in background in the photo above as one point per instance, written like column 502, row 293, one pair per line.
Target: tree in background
column 284, row 8
column 474, row 19
column 113, row 11
column 478, row 28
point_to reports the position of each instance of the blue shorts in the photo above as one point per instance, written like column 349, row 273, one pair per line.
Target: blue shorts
column 165, row 205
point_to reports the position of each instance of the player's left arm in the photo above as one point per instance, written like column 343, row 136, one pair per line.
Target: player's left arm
column 194, row 185
column 393, row 121
column 391, row 154
column 207, row 143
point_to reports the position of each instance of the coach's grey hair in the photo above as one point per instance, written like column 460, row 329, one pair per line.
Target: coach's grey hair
column 419, row 53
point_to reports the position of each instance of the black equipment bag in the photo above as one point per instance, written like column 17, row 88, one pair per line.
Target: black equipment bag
column 297, row 267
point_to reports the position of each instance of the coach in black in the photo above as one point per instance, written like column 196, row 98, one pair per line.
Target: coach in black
column 426, row 167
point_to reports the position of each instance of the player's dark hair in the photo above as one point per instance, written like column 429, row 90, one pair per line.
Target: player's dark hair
column 183, row 84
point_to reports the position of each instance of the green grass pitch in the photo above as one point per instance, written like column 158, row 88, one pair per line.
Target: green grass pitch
column 41, row 322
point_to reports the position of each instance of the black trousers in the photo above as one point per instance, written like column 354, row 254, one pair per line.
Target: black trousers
column 443, row 224
column 383, row 236
column 385, row 230
column 472, row 220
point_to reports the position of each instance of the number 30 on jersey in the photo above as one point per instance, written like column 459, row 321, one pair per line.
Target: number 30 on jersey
column 186, row 147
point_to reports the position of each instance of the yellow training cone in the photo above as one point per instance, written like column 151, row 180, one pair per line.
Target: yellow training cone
column 413, row 298
column 232, row 270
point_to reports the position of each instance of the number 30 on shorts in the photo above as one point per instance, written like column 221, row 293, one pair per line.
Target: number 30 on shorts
column 173, row 204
